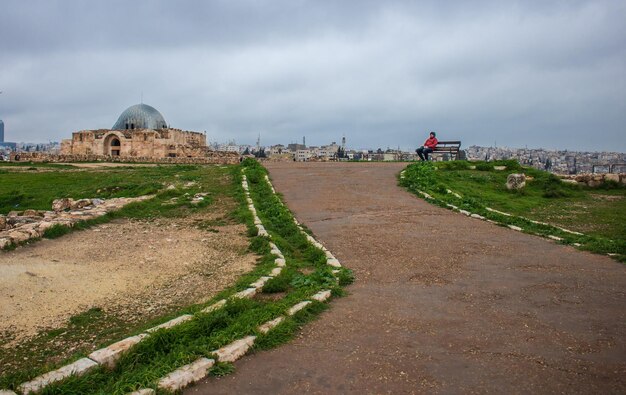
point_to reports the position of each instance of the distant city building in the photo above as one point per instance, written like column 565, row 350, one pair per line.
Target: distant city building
column 140, row 131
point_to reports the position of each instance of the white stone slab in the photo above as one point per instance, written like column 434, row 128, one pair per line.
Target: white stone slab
column 557, row 238
column 145, row 391
column 246, row 293
column 321, row 296
column 108, row 356
column 260, row 282
column 171, row 323
column 465, row 212
column 77, row 368
column 235, row 350
column 293, row 310
column 280, row 262
column 276, row 271
column 477, row 216
column 215, row 306
column 517, row 228
column 333, row 262
column 180, row 378
column 269, row 325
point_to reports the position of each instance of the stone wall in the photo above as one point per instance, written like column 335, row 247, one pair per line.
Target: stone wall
column 210, row 157
column 595, row 180
column 146, row 143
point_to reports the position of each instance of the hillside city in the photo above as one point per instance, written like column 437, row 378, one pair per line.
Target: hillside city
column 556, row 161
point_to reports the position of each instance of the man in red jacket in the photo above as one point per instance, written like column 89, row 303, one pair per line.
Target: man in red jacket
column 428, row 147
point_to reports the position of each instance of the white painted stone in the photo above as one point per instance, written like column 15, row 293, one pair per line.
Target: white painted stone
column 555, row 237
column 452, row 206
column 269, row 325
column 246, row 293
column 276, row 271
column 336, row 271
column 517, row 228
column 576, row 244
column 280, row 262
column 257, row 221
column 465, row 212
column 171, row 323
column 293, row 310
column 186, row 375
column 329, row 254
column 500, row 168
column 235, row 350
column 321, row 295
column 477, row 216
column 497, row 211
column 273, row 246
column 215, row 306
column 569, row 231
column 260, row 282
column 145, row 391
column 276, row 251
column 108, row 356
column 333, row 262
column 77, row 368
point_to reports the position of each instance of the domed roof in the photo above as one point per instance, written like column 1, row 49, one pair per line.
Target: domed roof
column 140, row 116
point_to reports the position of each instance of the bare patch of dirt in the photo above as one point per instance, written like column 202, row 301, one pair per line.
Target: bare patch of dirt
column 132, row 269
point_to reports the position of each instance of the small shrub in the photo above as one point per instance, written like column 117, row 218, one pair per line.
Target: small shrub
column 56, row 230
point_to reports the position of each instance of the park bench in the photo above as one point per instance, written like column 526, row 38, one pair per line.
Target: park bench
column 448, row 147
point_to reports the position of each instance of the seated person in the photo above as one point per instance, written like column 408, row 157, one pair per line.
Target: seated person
column 428, row 147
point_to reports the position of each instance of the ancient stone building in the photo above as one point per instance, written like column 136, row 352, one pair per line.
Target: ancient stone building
column 141, row 131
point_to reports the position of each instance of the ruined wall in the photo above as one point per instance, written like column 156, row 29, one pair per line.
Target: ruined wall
column 139, row 143
column 209, row 157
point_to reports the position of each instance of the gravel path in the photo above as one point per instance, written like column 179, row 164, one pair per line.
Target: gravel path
column 442, row 303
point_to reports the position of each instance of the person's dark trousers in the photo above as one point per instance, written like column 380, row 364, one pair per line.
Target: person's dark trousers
column 423, row 152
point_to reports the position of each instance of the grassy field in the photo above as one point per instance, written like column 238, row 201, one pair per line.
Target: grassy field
column 599, row 213
column 305, row 274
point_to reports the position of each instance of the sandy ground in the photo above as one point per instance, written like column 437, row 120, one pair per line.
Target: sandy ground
column 131, row 268
column 442, row 303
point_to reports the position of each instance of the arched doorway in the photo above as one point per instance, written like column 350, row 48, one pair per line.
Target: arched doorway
column 115, row 147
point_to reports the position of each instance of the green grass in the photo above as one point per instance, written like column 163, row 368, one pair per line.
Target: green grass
column 166, row 350
column 598, row 213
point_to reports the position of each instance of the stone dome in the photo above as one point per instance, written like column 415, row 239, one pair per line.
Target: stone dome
column 140, row 116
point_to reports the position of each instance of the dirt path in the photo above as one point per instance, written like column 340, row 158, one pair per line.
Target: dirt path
column 442, row 303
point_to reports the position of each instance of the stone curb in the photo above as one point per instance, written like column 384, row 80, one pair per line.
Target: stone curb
column 513, row 227
column 182, row 377
column 77, row 368
column 171, row 323
column 108, row 356
column 235, row 350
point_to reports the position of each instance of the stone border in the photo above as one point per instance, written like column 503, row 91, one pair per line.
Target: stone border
column 426, row 196
column 199, row 369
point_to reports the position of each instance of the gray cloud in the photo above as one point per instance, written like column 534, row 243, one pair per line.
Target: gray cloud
column 548, row 74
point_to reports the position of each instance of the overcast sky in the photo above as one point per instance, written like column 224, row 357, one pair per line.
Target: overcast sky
column 546, row 74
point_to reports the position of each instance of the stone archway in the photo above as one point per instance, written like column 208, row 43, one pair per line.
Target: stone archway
column 113, row 144
column 115, row 147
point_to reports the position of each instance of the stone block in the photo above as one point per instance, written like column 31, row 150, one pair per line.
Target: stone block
column 280, row 262
column 276, row 271
column 260, row 282
column 62, row 204
column 477, row 216
column 515, row 181
column 269, row 325
column 235, row 350
column 145, row 391
column 517, row 228
column 555, row 237
column 180, row 378
column 333, row 262
column 499, row 168
column 297, row 307
column 108, row 356
column 4, row 241
column 77, row 368
column 611, row 177
column 465, row 212
column 246, row 293
column 321, row 296
column 215, row 306
column 171, row 323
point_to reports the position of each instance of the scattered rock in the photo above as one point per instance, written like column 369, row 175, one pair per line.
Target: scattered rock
column 62, row 204
column 515, row 181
